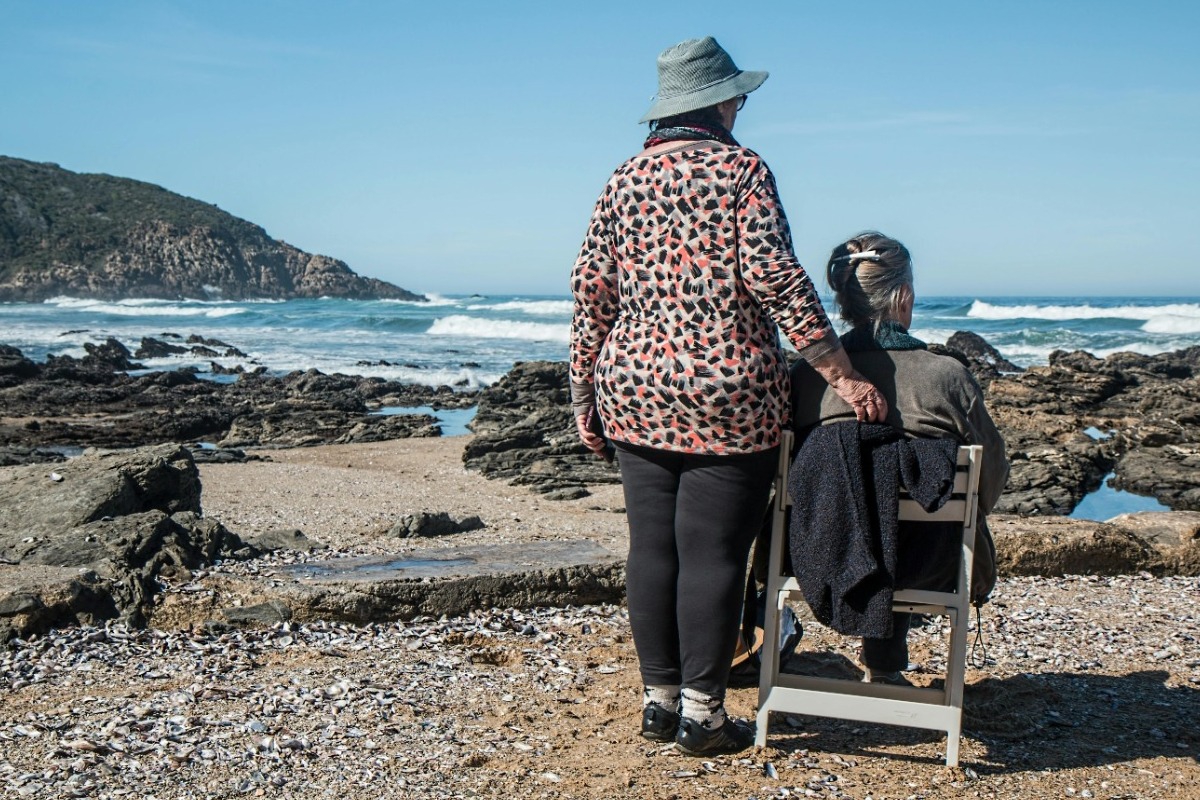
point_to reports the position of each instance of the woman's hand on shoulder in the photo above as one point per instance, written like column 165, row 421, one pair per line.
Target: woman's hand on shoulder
column 859, row 393
column 868, row 402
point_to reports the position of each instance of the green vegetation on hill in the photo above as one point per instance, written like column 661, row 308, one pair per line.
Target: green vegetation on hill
column 63, row 232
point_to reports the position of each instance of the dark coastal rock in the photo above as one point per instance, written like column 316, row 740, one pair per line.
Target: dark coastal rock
column 155, row 348
column 37, row 598
column 125, row 520
column 84, row 402
column 216, row 346
column 524, row 432
column 18, row 456
column 984, row 361
column 383, row 393
column 1147, row 406
column 1050, row 478
column 40, row 503
column 14, row 364
column 439, row 523
column 1170, row 474
column 111, row 355
column 221, row 455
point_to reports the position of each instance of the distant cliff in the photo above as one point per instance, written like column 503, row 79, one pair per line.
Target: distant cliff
column 65, row 233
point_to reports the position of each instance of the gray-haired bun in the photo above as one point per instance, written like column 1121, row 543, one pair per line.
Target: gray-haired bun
column 869, row 275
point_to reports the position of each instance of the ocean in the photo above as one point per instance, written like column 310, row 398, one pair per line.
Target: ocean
column 471, row 341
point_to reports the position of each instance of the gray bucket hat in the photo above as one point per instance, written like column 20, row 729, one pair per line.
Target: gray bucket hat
column 696, row 74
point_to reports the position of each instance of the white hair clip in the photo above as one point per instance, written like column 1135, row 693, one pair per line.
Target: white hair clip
column 866, row 254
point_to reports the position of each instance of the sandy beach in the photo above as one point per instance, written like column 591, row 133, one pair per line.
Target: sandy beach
column 347, row 496
column 1090, row 689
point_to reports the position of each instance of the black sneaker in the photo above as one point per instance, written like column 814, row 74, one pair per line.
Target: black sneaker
column 696, row 740
column 658, row 724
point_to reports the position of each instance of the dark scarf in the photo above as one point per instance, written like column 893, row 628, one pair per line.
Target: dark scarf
column 691, row 133
column 890, row 335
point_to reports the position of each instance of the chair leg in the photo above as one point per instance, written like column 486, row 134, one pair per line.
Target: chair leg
column 956, row 668
column 953, row 735
column 768, row 666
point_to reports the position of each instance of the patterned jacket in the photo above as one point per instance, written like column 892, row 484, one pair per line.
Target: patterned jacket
column 686, row 268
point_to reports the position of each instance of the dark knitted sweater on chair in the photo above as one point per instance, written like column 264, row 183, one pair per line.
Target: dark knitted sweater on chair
column 845, row 485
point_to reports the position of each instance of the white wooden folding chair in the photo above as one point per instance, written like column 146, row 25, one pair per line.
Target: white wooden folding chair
column 910, row 706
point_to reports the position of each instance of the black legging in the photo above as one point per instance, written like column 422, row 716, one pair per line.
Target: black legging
column 692, row 519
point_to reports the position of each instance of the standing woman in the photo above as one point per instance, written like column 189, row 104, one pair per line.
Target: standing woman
column 685, row 271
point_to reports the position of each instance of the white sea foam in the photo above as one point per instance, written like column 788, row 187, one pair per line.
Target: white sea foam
column 933, row 335
column 1171, row 323
column 461, row 325
column 984, row 310
column 167, row 311
column 465, row 377
column 150, row 308
column 556, row 308
column 432, row 299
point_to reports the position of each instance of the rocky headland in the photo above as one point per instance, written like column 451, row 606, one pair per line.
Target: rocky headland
column 99, row 236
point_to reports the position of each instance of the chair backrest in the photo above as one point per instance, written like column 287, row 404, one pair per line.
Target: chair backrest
column 962, row 507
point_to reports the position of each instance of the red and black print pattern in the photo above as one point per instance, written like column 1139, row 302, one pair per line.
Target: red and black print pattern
column 687, row 260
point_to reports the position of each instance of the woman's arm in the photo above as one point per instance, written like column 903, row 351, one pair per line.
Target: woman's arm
column 594, row 287
column 775, row 277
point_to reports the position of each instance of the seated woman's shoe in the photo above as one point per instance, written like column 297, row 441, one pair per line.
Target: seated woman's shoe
column 888, row 678
column 659, row 724
column 696, row 740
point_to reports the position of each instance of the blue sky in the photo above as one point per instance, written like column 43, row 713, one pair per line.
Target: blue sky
column 1018, row 148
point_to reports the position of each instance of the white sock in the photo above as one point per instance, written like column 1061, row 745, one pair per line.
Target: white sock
column 665, row 696
column 709, row 711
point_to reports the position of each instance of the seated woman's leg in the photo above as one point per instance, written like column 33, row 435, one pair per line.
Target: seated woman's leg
column 889, row 654
column 927, row 558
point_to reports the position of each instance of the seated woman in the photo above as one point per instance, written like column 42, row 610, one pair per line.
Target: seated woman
column 929, row 396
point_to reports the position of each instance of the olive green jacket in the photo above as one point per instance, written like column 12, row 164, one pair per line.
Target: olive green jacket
column 928, row 395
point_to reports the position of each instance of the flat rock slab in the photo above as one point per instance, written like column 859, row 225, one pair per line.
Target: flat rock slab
column 1162, row 528
column 447, row 580
column 455, row 562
